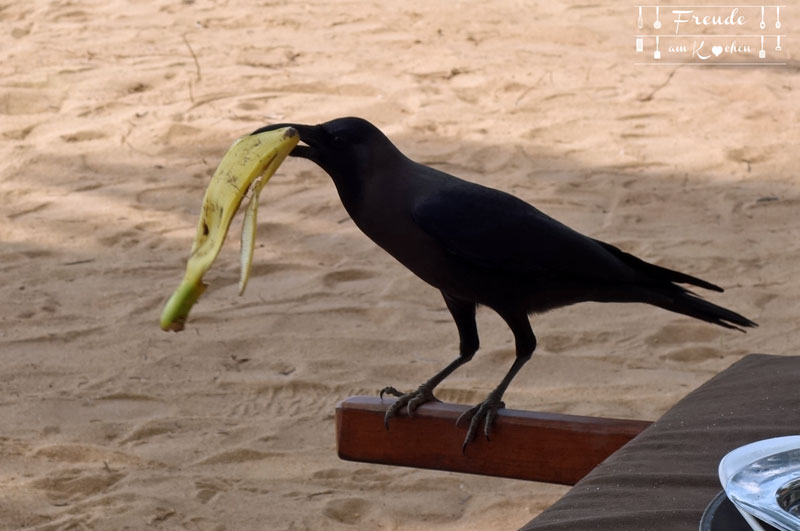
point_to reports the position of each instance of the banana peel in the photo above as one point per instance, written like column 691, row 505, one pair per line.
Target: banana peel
column 247, row 165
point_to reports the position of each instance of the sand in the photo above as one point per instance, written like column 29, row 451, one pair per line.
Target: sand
column 114, row 116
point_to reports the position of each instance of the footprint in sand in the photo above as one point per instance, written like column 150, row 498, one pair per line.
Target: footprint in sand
column 693, row 354
column 295, row 397
column 166, row 198
column 32, row 100
column 566, row 342
column 208, row 489
column 80, row 453
column 347, row 476
column 346, row 275
column 29, row 210
column 124, row 239
column 238, row 456
column 679, row 334
column 763, row 299
column 347, row 510
column 151, row 429
column 18, row 134
column 83, row 136
column 76, row 483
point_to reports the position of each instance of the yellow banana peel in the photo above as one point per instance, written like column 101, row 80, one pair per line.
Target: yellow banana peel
column 249, row 158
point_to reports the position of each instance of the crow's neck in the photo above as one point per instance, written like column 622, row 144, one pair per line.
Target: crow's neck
column 350, row 189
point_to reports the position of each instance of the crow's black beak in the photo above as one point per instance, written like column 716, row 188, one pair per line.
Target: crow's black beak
column 308, row 134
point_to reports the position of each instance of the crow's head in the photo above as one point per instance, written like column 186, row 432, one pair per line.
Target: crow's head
column 346, row 148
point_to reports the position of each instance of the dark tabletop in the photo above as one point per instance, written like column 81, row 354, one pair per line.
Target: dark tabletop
column 665, row 477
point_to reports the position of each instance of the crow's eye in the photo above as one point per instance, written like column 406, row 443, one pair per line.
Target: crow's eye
column 337, row 138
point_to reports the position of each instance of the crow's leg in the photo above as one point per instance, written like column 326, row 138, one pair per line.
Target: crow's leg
column 463, row 313
column 486, row 411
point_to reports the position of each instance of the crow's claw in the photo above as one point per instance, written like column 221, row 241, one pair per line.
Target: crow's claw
column 390, row 391
column 486, row 411
column 411, row 401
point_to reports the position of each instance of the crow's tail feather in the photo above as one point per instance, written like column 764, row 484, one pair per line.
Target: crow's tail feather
column 688, row 303
column 658, row 273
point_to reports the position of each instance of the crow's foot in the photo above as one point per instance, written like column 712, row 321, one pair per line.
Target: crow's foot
column 484, row 412
column 411, row 401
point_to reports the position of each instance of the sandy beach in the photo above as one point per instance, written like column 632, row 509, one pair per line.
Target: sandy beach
column 114, row 115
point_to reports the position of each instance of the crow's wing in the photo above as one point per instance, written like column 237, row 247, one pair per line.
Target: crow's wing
column 495, row 230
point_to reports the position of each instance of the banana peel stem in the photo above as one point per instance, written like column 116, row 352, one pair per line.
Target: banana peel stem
column 177, row 308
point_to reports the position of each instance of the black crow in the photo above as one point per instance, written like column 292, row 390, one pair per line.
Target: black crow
column 478, row 245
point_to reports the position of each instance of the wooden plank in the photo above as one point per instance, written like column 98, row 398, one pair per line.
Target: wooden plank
column 527, row 445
